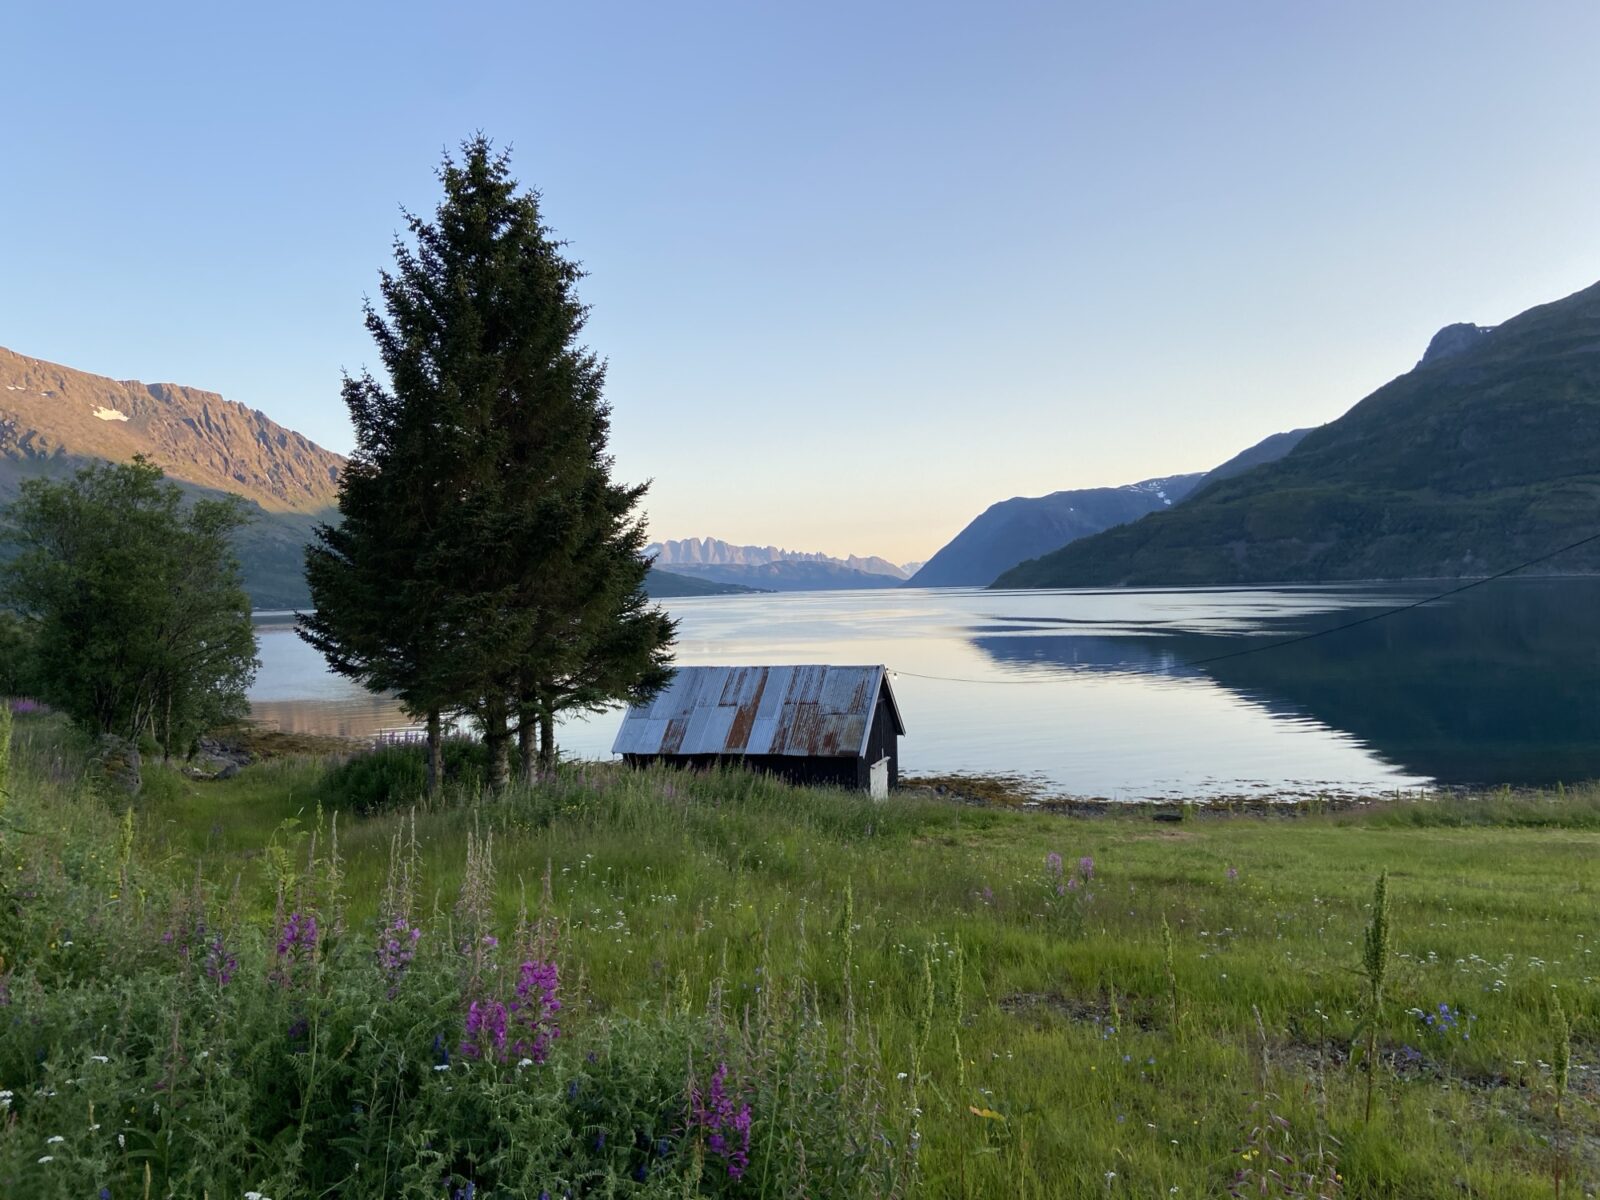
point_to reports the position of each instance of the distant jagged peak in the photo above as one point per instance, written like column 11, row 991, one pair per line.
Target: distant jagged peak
column 716, row 552
column 1453, row 340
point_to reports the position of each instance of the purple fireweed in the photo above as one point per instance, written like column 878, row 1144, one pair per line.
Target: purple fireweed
column 486, row 1031
column 526, row 1027
column 727, row 1128
column 220, row 965
column 299, row 933
column 535, row 1007
column 397, row 947
column 1061, row 883
column 297, row 945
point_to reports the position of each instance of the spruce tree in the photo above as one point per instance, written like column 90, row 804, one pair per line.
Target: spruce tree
column 487, row 564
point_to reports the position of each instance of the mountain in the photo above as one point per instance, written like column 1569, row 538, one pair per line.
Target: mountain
column 787, row 575
column 54, row 420
column 769, row 568
column 660, row 585
column 1268, row 449
column 1026, row 526
column 1483, row 456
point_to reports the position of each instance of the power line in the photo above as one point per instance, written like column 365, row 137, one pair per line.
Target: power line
column 1304, row 637
column 959, row 679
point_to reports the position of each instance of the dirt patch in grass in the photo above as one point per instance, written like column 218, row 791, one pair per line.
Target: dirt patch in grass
column 1101, row 1012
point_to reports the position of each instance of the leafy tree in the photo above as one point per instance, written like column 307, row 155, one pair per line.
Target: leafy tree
column 139, row 622
column 487, row 564
column 16, row 656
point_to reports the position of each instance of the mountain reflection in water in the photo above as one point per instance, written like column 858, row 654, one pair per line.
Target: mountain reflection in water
column 1497, row 684
column 1089, row 692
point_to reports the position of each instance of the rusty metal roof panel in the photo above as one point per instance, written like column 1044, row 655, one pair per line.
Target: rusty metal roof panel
column 805, row 711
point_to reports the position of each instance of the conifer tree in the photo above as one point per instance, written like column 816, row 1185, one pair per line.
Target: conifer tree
column 487, row 563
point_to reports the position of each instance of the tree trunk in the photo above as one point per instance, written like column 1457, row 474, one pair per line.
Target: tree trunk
column 547, row 739
column 496, row 742
column 527, row 750
column 435, row 749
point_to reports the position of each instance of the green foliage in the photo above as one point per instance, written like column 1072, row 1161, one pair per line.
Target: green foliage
column 486, row 563
column 391, row 777
column 1375, row 966
column 172, row 1044
column 18, row 669
column 5, row 760
column 138, row 621
column 680, row 904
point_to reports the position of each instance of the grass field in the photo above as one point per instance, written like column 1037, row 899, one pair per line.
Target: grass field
column 1184, row 1015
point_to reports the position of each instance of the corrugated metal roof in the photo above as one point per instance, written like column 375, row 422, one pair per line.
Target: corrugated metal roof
column 807, row 712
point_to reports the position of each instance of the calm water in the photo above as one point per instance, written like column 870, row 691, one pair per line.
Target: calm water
column 1094, row 694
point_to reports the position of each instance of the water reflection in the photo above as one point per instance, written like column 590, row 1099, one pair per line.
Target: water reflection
column 1090, row 691
column 1499, row 684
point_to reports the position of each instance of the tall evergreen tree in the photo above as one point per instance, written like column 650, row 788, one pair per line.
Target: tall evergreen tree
column 487, row 563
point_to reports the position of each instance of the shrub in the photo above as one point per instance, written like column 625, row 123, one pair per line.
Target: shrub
column 395, row 775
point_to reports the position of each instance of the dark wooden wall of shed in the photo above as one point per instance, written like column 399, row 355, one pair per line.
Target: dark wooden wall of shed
column 882, row 741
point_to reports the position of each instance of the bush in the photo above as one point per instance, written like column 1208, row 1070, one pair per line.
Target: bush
column 395, row 775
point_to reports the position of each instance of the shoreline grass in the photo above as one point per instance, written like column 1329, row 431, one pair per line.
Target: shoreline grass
column 1009, row 1034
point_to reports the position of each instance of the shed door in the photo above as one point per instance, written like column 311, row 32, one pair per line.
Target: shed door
column 878, row 783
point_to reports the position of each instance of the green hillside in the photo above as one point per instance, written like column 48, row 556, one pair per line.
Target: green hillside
column 660, row 585
column 1485, row 455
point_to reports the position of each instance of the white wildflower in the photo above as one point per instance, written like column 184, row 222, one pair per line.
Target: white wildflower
column 56, row 1140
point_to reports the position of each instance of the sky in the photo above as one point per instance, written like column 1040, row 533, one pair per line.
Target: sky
column 859, row 270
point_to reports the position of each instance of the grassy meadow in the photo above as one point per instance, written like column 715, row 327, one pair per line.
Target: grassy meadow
column 767, row 991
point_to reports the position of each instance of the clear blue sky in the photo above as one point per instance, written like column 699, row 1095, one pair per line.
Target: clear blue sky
column 860, row 269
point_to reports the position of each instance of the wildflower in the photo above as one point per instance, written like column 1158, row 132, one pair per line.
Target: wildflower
column 99, row 1058
column 47, row 1158
column 55, row 1140
column 534, row 1009
column 297, row 944
column 727, row 1129
column 486, row 1030
column 1052, row 863
column 299, row 931
column 396, row 949
column 1233, row 874
column 220, row 965
column 1086, row 869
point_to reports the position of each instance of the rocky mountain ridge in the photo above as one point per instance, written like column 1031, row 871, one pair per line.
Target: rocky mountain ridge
column 714, row 552
column 1483, row 456
column 53, row 417
column 1026, row 527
